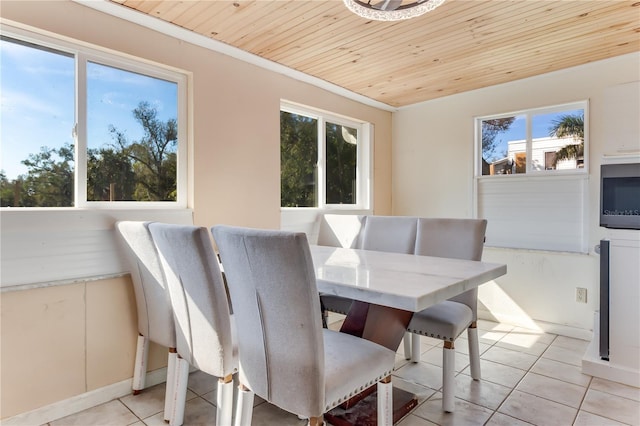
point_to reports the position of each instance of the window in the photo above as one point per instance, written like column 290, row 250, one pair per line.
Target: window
column 324, row 159
column 531, row 180
column 524, row 142
column 81, row 127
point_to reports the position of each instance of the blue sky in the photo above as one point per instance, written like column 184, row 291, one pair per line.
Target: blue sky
column 38, row 102
column 517, row 131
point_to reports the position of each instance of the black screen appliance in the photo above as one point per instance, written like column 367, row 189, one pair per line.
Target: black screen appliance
column 620, row 196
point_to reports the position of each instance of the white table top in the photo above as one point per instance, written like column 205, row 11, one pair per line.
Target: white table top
column 402, row 281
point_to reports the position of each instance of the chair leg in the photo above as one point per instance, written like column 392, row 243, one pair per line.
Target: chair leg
column 407, row 345
column 180, row 392
column 385, row 402
column 448, row 377
column 474, row 351
column 415, row 347
column 169, row 394
column 140, row 365
column 224, row 401
column 244, row 406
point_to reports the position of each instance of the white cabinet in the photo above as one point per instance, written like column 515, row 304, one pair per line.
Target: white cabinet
column 624, row 301
column 623, row 365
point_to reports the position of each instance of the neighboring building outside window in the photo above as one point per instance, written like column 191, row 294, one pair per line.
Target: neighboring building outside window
column 84, row 127
column 508, row 140
column 324, row 159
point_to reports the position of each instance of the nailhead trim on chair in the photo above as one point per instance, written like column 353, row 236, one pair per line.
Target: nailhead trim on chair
column 433, row 335
column 355, row 392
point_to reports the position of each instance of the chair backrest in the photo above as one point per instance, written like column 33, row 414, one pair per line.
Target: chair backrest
column 395, row 234
column 341, row 230
column 155, row 315
column 271, row 281
column 198, row 297
column 453, row 238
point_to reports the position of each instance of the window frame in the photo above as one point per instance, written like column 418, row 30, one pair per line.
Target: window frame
column 364, row 156
column 528, row 115
column 573, row 212
column 84, row 53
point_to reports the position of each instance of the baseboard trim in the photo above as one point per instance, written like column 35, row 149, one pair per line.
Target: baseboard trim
column 595, row 366
column 81, row 402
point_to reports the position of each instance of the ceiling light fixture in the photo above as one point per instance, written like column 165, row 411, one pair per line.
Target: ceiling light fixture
column 391, row 10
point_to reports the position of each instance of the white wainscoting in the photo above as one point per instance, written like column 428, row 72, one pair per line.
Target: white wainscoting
column 49, row 246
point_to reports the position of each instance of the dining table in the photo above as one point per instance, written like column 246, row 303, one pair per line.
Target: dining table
column 387, row 288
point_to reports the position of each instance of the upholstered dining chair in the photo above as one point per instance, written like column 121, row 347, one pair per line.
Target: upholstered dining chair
column 286, row 357
column 459, row 239
column 155, row 315
column 339, row 230
column 201, row 311
column 396, row 234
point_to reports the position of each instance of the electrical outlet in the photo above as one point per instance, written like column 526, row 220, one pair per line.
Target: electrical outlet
column 581, row 295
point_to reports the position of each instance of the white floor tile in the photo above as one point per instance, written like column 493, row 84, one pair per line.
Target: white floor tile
column 509, row 357
column 541, row 336
column 577, row 345
column 587, row 419
column 480, row 392
column 201, row 383
column 421, row 373
column 197, row 411
column 535, row 410
column 523, row 342
column 498, row 373
column 552, row 389
column 611, row 406
column 499, row 419
column 560, row 370
column 568, row 356
column 493, row 326
column 112, row 413
column 466, row 413
column 149, row 402
column 614, row 388
column 270, row 415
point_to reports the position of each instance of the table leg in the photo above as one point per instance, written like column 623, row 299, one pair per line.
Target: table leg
column 380, row 324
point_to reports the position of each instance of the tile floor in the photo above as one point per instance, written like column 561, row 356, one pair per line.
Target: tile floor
column 528, row 378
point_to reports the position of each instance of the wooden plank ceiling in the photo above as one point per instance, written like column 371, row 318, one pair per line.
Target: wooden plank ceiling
column 460, row 46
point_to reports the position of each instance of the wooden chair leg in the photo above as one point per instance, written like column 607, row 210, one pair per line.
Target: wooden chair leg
column 170, row 390
column 385, row 402
column 448, row 377
column 224, row 401
column 315, row 421
column 244, row 406
column 140, row 365
column 474, row 351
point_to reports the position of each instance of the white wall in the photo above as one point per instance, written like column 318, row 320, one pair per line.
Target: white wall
column 432, row 163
